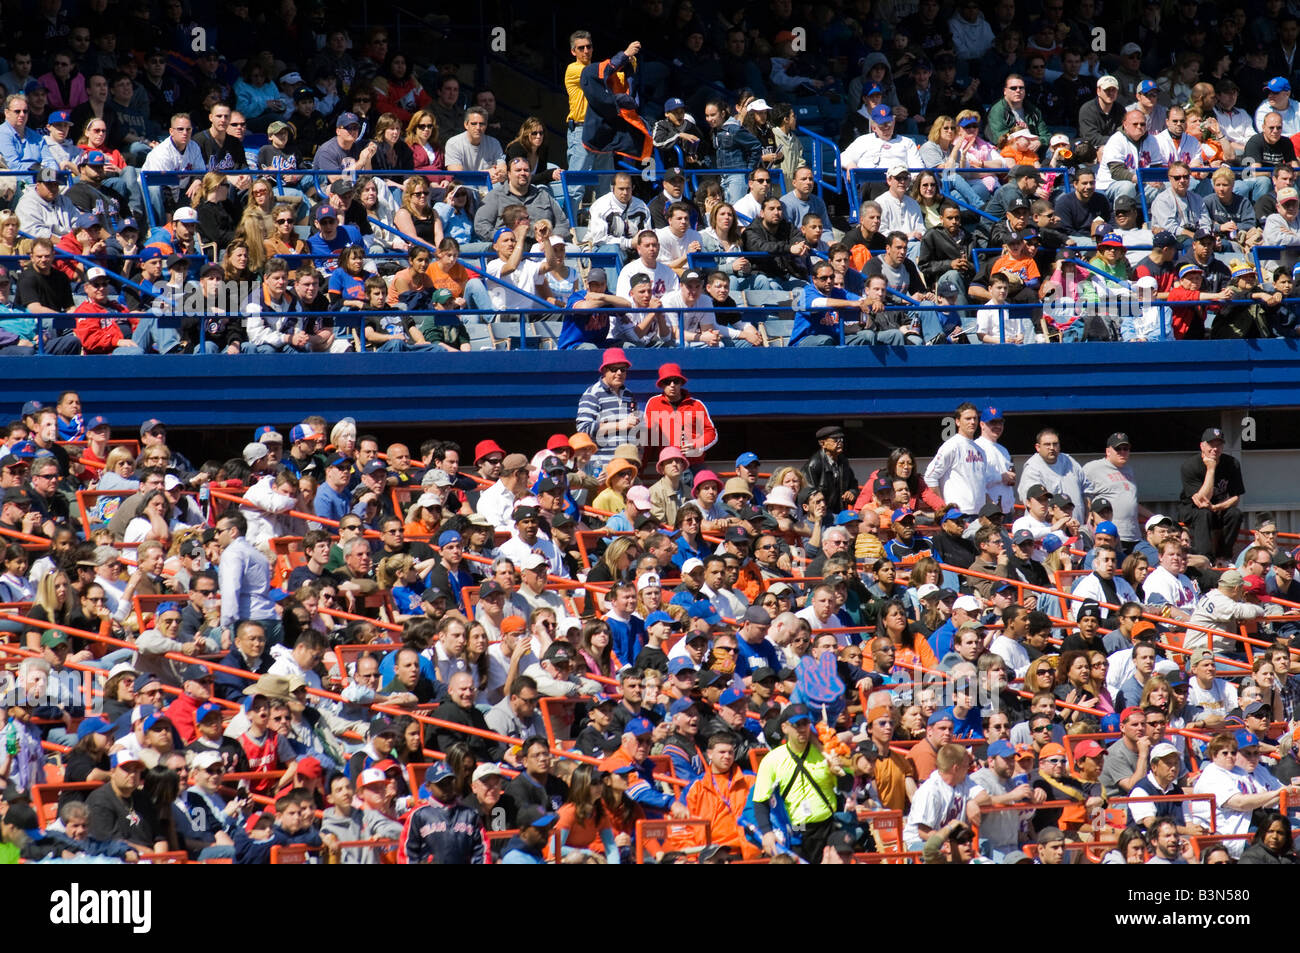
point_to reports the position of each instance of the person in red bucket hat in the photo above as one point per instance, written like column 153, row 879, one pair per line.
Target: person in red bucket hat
column 607, row 409
column 487, row 458
column 676, row 419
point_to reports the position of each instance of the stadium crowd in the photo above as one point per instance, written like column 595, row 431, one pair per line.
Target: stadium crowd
column 381, row 653
column 1006, row 172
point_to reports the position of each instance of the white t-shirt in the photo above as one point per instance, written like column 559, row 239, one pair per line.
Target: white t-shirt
column 1119, row 148
column 1223, row 785
column 988, row 322
column 671, row 247
column 936, row 803
column 998, row 461
column 1175, row 590
column 526, row 276
column 1220, row 698
column 699, row 317
column 958, row 472
column 1013, row 653
column 662, row 278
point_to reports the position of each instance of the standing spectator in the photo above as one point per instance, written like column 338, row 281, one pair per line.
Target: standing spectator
column 1212, row 488
column 245, row 579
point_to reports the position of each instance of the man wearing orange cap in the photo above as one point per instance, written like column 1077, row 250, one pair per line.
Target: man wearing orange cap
column 676, row 419
column 607, row 410
column 1055, row 783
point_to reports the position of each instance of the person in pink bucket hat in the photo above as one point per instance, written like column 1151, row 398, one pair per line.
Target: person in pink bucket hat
column 607, row 409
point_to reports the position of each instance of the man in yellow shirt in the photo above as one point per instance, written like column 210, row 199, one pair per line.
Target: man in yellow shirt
column 805, row 777
column 580, row 159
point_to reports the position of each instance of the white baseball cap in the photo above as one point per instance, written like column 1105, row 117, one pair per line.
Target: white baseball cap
column 969, row 603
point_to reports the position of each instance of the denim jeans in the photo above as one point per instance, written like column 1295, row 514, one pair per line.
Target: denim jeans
column 154, row 338
column 891, row 337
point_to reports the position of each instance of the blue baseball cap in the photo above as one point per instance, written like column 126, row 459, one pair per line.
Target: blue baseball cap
column 96, row 422
column 438, row 771
column 93, row 157
column 496, row 236
column 302, row 432
column 1190, row 268
column 59, row 118
column 150, row 252
column 23, row 449
column 638, row 727
column 730, row 697
column 795, row 713
column 1147, row 86
column 326, row 211
column 1246, row 739
column 261, row 433
column 1278, row 84
column 340, row 463
column 747, row 459
column 679, row 665
column 347, row 119
column 844, row 517
column 954, row 514
column 902, row 513
column 451, row 536
column 207, row 708
column 882, row 114
column 943, row 714
column 534, row 816
column 93, row 726
column 127, row 224
column 1107, row 527
column 873, row 90
column 656, row 617
column 1051, row 543
column 703, row 609
column 990, row 414
column 681, row 705
column 153, row 720
column 674, row 103
column 1001, row 749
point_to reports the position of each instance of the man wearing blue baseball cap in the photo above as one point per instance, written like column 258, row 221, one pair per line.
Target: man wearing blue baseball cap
column 528, row 845
column 747, row 468
column 332, row 500
column 442, row 830
column 1277, row 99
column 805, row 777
column 1000, row 831
column 1000, row 471
column 450, row 574
column 882, row 147
column 634, row 750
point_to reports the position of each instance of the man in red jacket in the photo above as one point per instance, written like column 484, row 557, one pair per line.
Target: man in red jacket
column 85, row 238
column 183, row 712
column 673, row 418
column 101, row 334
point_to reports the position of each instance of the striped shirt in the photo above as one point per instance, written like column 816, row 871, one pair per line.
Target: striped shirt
column 598, row 405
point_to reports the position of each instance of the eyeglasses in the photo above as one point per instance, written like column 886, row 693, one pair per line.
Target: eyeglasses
column 1053, row 761
column 1179, row 178
column 1041, row 728
column 284, row 221
column 419, row 194
column 1015, row 89
column 233, row 123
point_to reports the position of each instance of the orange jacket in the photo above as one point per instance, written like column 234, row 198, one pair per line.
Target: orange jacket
column 720, row 800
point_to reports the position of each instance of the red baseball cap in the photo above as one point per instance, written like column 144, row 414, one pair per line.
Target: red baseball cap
column 484, row 447
column 1130, row 710
column 1089, row 749
column 557, row 442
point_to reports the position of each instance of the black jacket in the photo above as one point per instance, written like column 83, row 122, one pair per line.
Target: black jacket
column 1097, row 126
column 938, row 249
column 776, row 261
column 833, row 477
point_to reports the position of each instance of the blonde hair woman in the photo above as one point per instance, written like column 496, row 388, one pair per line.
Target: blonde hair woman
column 344, row 437
column 416, row 217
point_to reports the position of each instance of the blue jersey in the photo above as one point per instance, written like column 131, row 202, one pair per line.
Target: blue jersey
column 810, row 320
